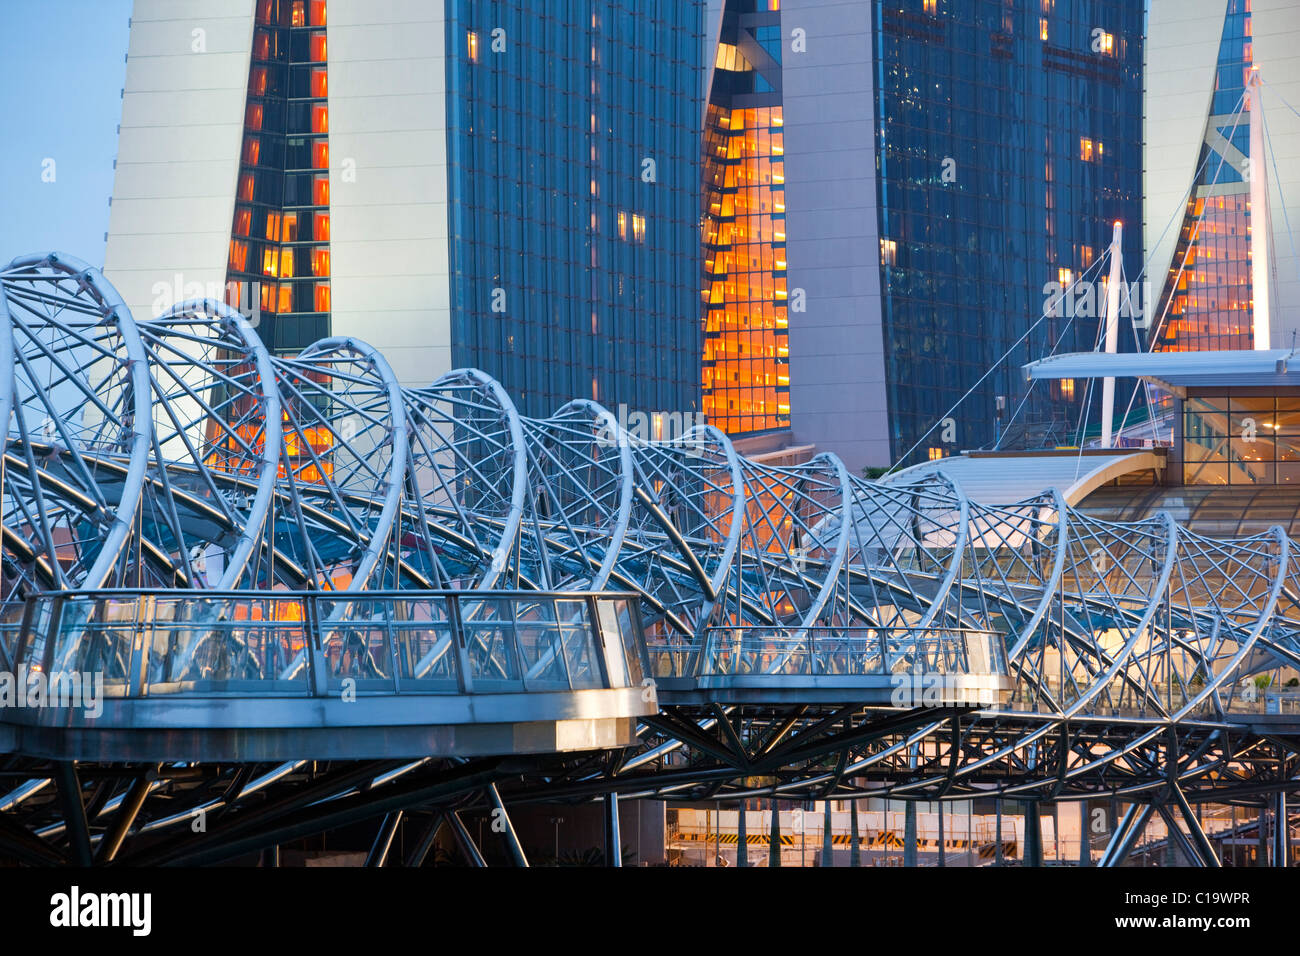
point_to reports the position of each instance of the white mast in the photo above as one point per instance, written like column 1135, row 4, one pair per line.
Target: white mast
column 1260, row 228
column 1114, row 284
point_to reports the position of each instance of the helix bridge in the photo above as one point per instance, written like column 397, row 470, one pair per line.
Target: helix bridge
column 313, row 596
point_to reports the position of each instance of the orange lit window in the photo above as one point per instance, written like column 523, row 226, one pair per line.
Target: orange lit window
column 262, row 45
column 319, row 83
column 316, row 48
column 622, row 225
column 273, row 226
column 257, row 82
column 252, row 150
column 638, row 228
column 320, row 119
column 243, row 221
column 320, row 154
column 320, row 230
column 289, row 231
column 268, row 297
column 270, row 257
column 318, row 13
column 298, row 17
column 471, row 42
column 246, row 187
column 320, row 262
column 238, row 255
column 286, row 297
column 320, row 191
column 1042, row 28
column 253, row 116
column 888, row 252
column 286, row 263
column 322, row 296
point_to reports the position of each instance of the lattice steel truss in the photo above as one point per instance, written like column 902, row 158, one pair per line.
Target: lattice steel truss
column 176, row 452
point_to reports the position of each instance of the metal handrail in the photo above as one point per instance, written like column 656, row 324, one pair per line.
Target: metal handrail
column 235, row 643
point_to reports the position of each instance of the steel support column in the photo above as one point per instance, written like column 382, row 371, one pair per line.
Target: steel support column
column 512, row 838
column 378, row 854
column 613, row 836
column 74, row 811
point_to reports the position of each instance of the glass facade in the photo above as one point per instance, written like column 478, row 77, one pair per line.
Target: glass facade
column 1009, row 141
column 573, row 151
column 1206, row 301
column 279, row 260
column 1241, row 438
column 746, row 349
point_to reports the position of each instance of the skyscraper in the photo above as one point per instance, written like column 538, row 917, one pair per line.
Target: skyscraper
column 1200, row 227
column 943, row 163
column 504, row 185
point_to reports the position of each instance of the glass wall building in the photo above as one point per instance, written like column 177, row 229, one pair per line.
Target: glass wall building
column 573, row 157
column 746, row 347
column 937, row 166
column 501, row 184
column 1206, row 298
column 1009, row 141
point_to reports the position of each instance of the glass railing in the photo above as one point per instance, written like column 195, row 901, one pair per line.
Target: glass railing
column 831, row 652
column 233, row 643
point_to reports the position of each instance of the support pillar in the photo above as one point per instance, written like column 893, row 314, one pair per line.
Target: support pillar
column 1033, row 855
column 828, row 851
column 74, row 811
column 378, row 854
column 613, row 838
column 512, row 839
column 1281, row 831
column 774, row 839
column 742, row 838
column 855, row 851
column 909, row 833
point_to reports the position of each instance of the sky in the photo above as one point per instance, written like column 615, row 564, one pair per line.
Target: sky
column 62, row 68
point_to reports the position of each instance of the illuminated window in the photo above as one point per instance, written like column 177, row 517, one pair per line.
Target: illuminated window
column 316, row 48
column 622, row 225
column 320, row 119
column 257, row 81
column 270, row 260
column 936, row 454
column 286, row 263
column 888, row 252
column 320, row 191
column 320, row 262
column 318, row 13
column 1064, row 277
column 243, row 221
column 1042, row 28
column 298, row 14
column 238, row 256
column 319, row 84
column 320, row 154
column 638, row 228
column 1090, row 151
column 931, row 7
column 1067, row 389
column 253, row 116
column 320, row 229
column 322, row 297
column 471, row 43
column 1106, row 44
column 252, row 150
column 246, row 187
